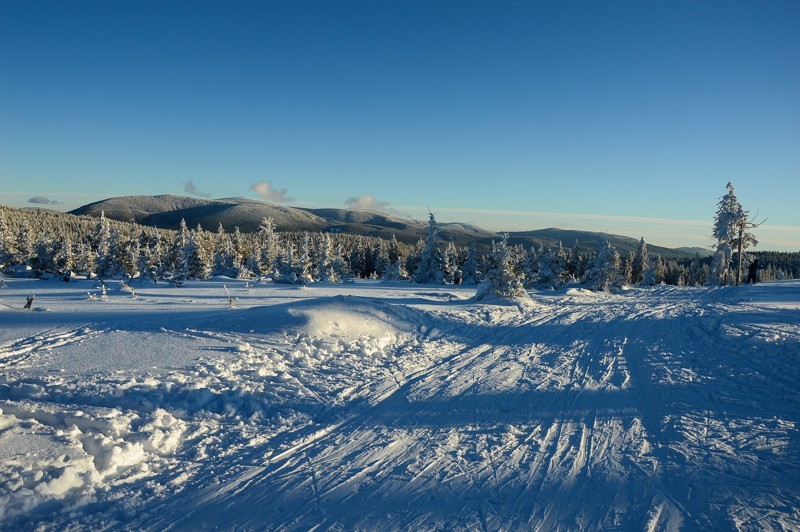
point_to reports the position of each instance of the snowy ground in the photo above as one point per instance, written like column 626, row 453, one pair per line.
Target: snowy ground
column 383, row 406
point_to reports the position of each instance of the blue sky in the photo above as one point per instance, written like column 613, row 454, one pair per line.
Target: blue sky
column 622, row 116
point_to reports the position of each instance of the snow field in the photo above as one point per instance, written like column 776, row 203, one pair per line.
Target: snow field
column 387, row 406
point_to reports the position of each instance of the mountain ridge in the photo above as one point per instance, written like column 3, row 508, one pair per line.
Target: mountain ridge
column 167, row 210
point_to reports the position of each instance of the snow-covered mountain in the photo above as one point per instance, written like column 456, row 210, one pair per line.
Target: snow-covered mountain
column 166, row 211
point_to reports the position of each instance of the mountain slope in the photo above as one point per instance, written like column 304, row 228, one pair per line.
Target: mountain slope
column 167, row 211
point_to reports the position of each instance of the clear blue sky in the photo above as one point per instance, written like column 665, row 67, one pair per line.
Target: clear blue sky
column 622, row 116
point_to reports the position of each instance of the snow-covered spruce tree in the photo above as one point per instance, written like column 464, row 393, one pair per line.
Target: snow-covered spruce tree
column 269, row 246
column 25, row 243
column 198, row 254
column 500, row 279
column 304, row 264
column 640, row 263
column 471, row 272
column 43, row 255
column 223, row 253
column 396, row 272
column 155, row 262
column 576, row 262
column 429, row 269
column 655, row 272
column 627, row 268
column 104, row 243
column 179, row 253
column 8, row 244
column 330, row 261
column 602, row 273
column 131, row 258
column 380, row 259
column 449, row 263
column 551, row 268
column 530, row 268
column 64, row 259
column 414, row 257
column 731, row 226
column 294, row 267
column 240, row 254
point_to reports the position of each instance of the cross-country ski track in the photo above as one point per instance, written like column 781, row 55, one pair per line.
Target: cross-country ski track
column 397, row 406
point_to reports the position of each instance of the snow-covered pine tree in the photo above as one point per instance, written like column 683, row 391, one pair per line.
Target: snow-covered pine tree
column 530, row 268
column 396, row 271
column 380, row 259
column 500, row 279
column 103, row 248
column 64, row 259
column 627, row 268
column 429, row 269
column 131, row 258
column 329, row 264
column 449, row 263
column 471, row 271
column 731, row 232
column 640, row 263
column 551, row 268
column 179, row 253
column 223, row 253
column 602, row 273
column 240, row 254
column 303, row 265
column 198, row 254
column 8, row 244
column 285, row 266
column 654, row 274
column 269, row 246
column 43, row 255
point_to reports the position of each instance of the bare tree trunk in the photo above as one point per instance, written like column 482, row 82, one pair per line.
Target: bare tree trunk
column 741, row 243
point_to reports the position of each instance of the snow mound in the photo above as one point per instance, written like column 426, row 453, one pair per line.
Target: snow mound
column 347, row 318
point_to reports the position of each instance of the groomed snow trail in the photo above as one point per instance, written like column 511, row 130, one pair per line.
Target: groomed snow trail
column 370, row 407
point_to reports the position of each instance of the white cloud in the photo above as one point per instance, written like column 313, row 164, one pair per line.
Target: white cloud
column 190, row 188
column 369, row 203
column 267, row 192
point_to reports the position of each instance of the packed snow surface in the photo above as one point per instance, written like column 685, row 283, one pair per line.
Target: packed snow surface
column 396, row 406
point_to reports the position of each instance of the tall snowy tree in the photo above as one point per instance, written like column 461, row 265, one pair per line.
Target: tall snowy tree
column 180, row 252
column 640, row 263
column 429, row 269
column 449, row 263
column 471, row 271
column 103, row 247
column 269, row 246
column 731, row 230
column 330, row 261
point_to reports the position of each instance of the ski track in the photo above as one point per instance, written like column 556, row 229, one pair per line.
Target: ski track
column 646, row 410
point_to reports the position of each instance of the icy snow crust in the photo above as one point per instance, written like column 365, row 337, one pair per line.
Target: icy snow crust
column 394, row 406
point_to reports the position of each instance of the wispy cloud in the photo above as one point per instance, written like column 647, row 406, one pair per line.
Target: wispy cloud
column 267, row 191
column 369, row 203
column 190, row 188
column 41, row 200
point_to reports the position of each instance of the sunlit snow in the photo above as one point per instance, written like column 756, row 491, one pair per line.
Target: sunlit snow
column 376, row 405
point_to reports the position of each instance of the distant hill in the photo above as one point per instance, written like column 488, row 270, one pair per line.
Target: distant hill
column 167, row 211
column 587, row 239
